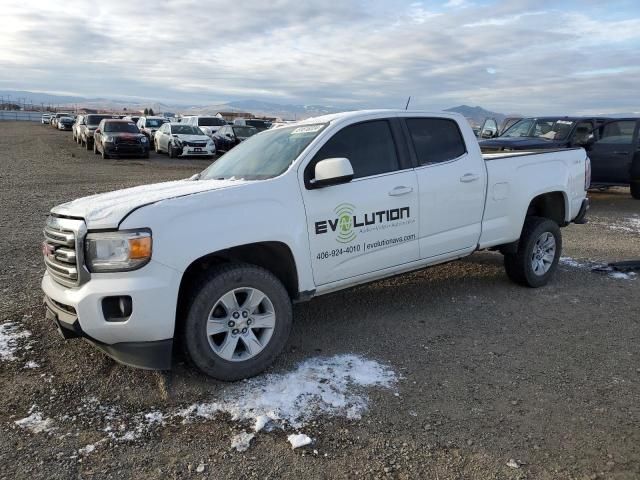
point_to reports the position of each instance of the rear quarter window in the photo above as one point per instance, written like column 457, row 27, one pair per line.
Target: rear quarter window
column 435, row 140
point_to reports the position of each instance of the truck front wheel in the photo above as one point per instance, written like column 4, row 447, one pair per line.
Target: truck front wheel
column 536, row 259
column 238, row 321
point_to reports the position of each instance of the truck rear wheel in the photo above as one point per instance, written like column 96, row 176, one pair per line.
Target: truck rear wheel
column 536, row 259
column 635, row 190
column 238, row 321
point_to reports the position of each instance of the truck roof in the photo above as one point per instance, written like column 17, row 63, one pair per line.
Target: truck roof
column 365, row 113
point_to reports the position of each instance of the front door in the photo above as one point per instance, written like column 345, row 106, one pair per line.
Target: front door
column 370, row 223
column 612, row 152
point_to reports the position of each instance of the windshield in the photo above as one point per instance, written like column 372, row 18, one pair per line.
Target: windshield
column 263, row 156
column 59, row 115
column 244, row 132
column 96, row 119
column 549, row 128
column 210, row 122
column 127, row 127
column 155, row 122
column 186, row 130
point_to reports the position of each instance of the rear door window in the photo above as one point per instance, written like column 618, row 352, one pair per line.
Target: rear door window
column 369, row 146
column 435, row 140
column 618, row 133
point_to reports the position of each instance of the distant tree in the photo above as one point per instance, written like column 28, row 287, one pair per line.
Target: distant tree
column 151, row 111
column 124, row 109
column 146, row 111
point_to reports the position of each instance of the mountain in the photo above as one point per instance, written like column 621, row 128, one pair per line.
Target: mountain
column 267, row 109
column 476, row 114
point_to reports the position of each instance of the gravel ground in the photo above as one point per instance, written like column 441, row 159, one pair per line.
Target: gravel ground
column 495, row 381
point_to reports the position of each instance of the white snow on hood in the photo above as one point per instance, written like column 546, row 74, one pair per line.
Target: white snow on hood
column 106, row 210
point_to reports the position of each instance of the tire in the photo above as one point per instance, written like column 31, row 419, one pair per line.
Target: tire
column 520, row 265
column 146, row 155
column 155, row 147
column 95, row 148
column 170, row 151
column 104, row 155
column 207, row 300
column 635, row 190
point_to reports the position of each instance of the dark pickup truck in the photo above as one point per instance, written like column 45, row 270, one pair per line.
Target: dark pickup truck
column 542, row 133
column 614, row 150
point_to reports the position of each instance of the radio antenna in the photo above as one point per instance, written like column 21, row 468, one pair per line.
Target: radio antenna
column 407, row 105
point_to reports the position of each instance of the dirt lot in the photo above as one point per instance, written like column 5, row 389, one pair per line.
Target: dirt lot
column 488, row 373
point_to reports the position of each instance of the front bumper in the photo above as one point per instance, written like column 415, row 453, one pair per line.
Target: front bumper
column 197, row 151
column 126, row 149
column 144, row 339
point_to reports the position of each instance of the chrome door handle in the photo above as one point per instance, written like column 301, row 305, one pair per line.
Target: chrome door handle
column 469, row 177
column 401, row 190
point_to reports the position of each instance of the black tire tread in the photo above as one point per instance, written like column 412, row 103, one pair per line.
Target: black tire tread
column 217, row 274
column 517, row 265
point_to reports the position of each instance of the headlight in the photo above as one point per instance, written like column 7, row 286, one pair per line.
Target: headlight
column 144, row 140
column 108, row 138
column 117, row 251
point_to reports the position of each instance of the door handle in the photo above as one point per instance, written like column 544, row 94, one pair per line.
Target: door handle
column 469, row 177
column 400, row 190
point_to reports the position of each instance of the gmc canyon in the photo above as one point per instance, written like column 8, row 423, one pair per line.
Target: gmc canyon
column 213, row 263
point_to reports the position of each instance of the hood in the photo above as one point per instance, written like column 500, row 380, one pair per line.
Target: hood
column 192, row 138
column 520, row 143
column 124, row 134
column 107, row 210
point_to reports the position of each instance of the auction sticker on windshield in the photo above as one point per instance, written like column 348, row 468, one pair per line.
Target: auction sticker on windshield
column 308, row 129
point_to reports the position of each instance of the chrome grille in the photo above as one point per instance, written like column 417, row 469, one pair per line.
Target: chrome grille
column 62, row 250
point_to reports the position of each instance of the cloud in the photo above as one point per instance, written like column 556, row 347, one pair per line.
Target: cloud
column 348, row 54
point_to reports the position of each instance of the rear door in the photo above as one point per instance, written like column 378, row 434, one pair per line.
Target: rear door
column 612, row 152
column 452, row 184
column 370, row 223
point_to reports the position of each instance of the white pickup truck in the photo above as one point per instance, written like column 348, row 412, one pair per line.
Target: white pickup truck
column 214, row 262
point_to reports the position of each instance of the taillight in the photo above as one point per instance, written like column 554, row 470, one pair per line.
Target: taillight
column 587, row 173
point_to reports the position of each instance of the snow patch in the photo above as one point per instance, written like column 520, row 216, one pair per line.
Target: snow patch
column 10, row 336
column 598, row 268
column 242, row 441
column 319, row 386
column 629, row 225
column 31, row 364
column 35, row 423
column 299, row 440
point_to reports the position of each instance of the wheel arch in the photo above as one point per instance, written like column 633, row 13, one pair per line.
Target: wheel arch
column 273, row 256
column 552, row 205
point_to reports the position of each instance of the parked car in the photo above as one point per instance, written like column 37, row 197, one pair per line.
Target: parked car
column 208, row 125
column 214, row 262
column 75, row 129
column 614, row 150
column 119, row 138
column 58, row 116
column 260, row 125
column 229, row 136
column 540, row 133
column 132, row 118
column 45, row 119
column 148, row 126
column 180, row 140
column 88, row 126
column 65, row 123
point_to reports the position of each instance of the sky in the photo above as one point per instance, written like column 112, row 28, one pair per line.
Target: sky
column 516, row 56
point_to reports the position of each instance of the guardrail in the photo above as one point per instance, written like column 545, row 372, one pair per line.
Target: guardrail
column 19, row 115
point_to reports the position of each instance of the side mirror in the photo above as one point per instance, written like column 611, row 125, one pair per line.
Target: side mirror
column 487, row 134
column 97, row 130
column 332, row 171
column 228, row 135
